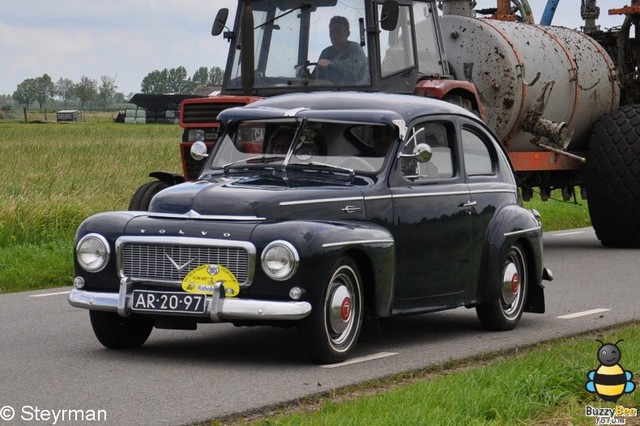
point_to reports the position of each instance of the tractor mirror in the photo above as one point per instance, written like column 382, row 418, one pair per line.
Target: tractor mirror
column 220, row 22
column 389, row 15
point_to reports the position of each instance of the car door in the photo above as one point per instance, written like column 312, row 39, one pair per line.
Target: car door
column 432, row 221
column 490, row 182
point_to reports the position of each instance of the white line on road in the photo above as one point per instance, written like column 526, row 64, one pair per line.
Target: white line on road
column 583, row 313
column 361, row 359
column 562, row 234
column 50, row 294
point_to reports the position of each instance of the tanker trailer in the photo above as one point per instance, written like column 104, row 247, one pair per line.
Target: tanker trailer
column 553, row 96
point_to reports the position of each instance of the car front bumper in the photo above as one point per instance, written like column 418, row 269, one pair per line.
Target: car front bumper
column 218, row 308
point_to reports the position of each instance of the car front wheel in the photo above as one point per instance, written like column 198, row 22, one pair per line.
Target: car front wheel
column 505, row 312
column 331, row 331
column 116, row 332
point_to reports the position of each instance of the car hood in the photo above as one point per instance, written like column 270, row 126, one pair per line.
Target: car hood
column 270, row 197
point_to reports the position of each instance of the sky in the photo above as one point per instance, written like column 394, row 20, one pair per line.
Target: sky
column 127, row 39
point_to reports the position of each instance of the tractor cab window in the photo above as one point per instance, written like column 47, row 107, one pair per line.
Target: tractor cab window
column 396, row 47
column 304, row 44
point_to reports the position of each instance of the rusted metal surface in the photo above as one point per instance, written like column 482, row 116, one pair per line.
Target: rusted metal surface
column 511, row 64
column 543, row 160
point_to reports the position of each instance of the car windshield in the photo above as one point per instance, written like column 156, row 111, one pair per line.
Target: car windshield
column 341, row 147
column 306, row 43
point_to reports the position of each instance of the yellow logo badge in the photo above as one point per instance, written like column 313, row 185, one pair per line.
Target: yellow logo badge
column 205, row 277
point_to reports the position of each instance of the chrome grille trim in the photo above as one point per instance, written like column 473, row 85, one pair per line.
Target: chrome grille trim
column 149, row 259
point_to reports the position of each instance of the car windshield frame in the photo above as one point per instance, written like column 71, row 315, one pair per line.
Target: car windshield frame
column 306, row 144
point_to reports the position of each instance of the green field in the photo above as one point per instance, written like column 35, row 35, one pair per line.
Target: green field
column 55, row 175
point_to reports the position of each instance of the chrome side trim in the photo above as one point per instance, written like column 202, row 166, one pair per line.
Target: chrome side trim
column 320, row 200
column 365, row 242
column 218, row 308
column 522, row 231
column 192, row 214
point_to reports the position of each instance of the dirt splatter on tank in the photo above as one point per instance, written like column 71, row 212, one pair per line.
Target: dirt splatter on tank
column 550, row 82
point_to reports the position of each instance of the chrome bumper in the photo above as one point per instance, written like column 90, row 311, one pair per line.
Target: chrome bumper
column 218, row 308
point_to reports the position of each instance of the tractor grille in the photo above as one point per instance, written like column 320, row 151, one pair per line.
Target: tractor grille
column 153, row 262
column 204, row 112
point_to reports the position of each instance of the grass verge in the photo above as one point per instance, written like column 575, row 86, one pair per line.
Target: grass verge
column 544, row 384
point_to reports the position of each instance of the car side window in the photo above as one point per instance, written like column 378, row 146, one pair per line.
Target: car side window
column 438, row 136
column 478, row 159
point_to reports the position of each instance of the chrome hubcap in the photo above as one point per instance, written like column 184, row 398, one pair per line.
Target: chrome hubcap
column 340, row 309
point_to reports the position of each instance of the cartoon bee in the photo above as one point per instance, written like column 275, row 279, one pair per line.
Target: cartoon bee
column 609, row 381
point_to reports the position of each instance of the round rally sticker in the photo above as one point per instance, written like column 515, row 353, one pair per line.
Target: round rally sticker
column 205, row 277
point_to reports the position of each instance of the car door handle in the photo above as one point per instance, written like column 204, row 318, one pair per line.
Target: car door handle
column 468, row 204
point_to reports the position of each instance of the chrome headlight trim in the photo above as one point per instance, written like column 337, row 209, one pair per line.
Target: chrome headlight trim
column 279, row 260
column 93, row 252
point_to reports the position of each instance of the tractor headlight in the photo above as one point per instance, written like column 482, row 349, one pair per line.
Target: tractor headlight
column 92, row 252
column 195, row 135
column 280, row 260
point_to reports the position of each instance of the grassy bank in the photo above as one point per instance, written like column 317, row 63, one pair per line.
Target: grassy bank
column 543, row 385
column 55, row 175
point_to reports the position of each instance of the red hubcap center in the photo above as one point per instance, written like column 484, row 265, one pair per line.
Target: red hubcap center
column 515, row 283
column 345, row 309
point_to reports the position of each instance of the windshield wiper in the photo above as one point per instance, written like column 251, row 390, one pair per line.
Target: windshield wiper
column 302, row 6
column 351, row 172
column 260, row 159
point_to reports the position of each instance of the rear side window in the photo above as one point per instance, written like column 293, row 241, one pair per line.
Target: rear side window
column 478, row 158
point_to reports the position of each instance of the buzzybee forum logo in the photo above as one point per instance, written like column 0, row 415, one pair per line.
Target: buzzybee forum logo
column 610, row 381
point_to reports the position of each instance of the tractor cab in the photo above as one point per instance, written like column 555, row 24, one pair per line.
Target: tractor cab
column 283, row 46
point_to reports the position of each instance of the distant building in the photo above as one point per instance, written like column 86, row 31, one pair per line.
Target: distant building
column 68, row 115
column 151, row 108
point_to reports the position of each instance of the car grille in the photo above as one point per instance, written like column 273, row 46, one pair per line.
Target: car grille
column 152, row 262
column 204, row 112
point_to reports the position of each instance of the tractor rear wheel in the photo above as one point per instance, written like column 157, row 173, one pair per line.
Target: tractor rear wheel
column 613, row 177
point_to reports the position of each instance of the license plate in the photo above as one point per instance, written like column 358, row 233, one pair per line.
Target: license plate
column 170, row 302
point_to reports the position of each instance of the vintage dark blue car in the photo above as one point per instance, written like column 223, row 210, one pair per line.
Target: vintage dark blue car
column 321, row 210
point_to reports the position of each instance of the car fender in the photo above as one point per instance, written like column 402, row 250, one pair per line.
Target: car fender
column 510, row 224
column 321, row 243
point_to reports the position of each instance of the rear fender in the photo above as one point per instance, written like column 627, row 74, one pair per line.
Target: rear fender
column 510, row 225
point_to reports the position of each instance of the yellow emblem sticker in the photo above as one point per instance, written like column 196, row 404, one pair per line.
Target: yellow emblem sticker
column 205, row 277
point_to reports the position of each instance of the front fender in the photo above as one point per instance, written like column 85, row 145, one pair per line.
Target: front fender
column 510, row 225
column 320, row 244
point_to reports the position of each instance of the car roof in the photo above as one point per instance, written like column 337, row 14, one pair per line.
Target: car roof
column 352, row 106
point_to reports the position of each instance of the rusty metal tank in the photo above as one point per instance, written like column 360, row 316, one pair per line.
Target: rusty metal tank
column 530, row 77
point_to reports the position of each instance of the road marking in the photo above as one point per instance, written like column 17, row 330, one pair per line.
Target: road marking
column 50, row 294
column 583, row 313
column 562, row 234
column 361, row 359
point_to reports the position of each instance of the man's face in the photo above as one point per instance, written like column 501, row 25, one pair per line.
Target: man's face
column 338, row 34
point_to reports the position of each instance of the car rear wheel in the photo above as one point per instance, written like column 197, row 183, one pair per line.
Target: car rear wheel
column 505, row 312
column 116, row 332
column 331, row 331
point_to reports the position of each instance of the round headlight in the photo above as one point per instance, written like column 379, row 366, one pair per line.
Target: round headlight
column 280, row 260
column 92, row 252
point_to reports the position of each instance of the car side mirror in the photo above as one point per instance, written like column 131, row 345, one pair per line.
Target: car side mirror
column 421, row 153
column 389, row 15
column 199, row 151
column 220, row 22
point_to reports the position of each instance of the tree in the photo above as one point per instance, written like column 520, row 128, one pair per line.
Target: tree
column 107, row 89
column 178, row 81
column 26, row 92
column 200, row 77
column 86, row 90
column 216, row 75
column 65, row 90
column 155, row 82
column 45, row 89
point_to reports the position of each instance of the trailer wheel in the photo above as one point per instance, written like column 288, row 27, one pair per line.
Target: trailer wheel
column 613, row 177
column 143, row 195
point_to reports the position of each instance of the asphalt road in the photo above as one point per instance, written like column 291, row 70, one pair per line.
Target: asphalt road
column 53, row 370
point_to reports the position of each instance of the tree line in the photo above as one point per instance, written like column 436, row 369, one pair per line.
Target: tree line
column 88, row 92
